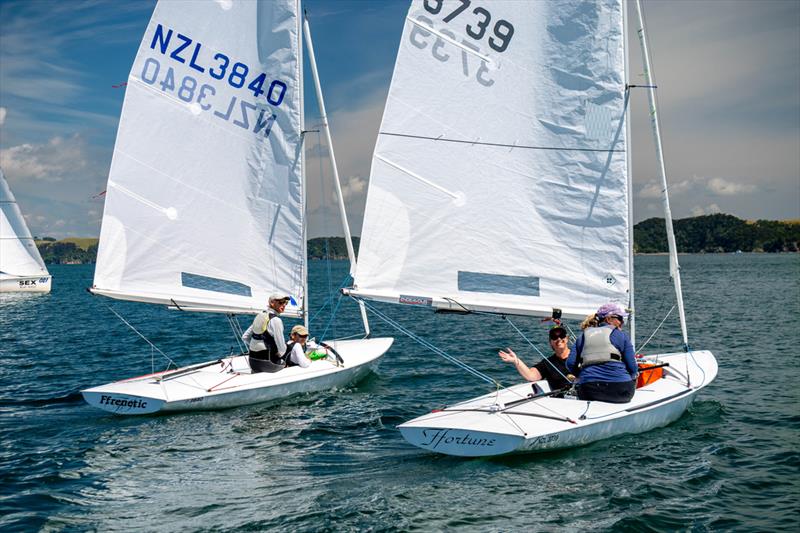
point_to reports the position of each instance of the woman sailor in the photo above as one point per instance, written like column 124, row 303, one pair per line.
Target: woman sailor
column 604, row 360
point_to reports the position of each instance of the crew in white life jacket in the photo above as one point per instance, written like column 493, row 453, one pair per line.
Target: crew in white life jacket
column 264, row 338
column 603, row 359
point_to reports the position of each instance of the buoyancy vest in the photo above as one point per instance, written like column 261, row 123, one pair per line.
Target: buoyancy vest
column 263, row 340
column 597, row 347
column 288, row 355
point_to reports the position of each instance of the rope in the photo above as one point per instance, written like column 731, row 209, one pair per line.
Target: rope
column 330, row 321
column 434, row 349
column 329, row 300
column 505, row 317
column 152, row 346
column 237, row 332
column 549, row 362
column 641, row 348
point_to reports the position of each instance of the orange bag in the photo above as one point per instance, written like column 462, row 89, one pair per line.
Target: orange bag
column 647, row 377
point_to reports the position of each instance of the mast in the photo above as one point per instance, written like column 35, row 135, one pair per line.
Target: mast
column 324, row 116
column 674, row 267
column 306, row 303
column 628, row 174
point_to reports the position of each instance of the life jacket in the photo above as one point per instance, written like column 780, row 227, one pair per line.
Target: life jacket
column 263, row 340
column 597, row 347
column 287, row 357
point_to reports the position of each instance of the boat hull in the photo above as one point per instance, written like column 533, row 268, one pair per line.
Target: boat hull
column 494, row 425
column 25, row 283
column 228, row 382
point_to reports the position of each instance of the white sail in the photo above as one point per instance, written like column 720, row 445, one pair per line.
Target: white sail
column 205, row 200
column 19, row 256
column 499, row 178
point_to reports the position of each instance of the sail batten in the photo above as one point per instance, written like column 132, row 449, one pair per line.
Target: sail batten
column 499, row 178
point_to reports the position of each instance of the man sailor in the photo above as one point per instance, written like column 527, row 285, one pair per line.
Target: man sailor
column 264, row 338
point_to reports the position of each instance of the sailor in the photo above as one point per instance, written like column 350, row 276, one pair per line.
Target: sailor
column 264, row 338
column 603, row 358
column 553, row 369
column 296, row 348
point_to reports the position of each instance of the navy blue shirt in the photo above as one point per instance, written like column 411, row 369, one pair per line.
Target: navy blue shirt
column 616, row 371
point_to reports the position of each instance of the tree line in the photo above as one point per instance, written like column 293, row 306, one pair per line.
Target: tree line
column 68, row 252
column 704, row 234
column 716, row 234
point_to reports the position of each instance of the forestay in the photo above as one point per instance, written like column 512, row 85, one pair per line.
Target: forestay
column 18, row 253
column 205, row 200
column 499, row 178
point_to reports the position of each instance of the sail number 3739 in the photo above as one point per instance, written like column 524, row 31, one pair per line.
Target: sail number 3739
column 477, row 24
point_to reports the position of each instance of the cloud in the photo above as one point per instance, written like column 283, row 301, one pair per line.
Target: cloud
column 54, row 182
column 354, row 132
column 656, row 191
column 727, row 188
column 2, row 115
column 50, row 162
column 708, row 210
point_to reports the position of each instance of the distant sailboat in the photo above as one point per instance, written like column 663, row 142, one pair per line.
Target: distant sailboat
column 205, row 204
column 500, row 184
column 21, row 265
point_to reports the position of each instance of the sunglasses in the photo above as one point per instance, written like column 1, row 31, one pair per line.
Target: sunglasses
column 554, row 336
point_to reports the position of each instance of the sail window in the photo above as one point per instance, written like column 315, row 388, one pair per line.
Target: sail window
column 498, row 283
column 196, row 281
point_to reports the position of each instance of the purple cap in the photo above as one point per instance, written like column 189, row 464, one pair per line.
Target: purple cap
column 611, row 310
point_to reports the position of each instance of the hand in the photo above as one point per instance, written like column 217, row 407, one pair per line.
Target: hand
column 508, row 356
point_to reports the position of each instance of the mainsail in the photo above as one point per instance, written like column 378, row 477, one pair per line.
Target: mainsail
column 18, row 253
column 205, row 202
column 499, row 180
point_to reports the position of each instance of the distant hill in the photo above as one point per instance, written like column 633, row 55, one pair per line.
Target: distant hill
column 78, row 250
column 70, row 251
column 718, row 233
column 704, row 234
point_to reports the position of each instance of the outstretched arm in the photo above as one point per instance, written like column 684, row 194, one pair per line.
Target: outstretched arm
column 531, row 374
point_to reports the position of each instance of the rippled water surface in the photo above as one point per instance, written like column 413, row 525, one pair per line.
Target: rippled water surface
column 335, row 461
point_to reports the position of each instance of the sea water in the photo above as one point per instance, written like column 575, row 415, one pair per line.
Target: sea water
column 335, row 460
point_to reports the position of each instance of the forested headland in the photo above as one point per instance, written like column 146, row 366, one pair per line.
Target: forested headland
column 718, row 234
column 704, row 234
column 75, row 250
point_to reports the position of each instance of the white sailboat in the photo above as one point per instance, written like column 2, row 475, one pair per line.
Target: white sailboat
column 500, row 184
column 21, row 265
column 205, row 204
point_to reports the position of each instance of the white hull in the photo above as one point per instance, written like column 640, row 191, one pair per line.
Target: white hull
column 10, row 283
column 485, row 426
column 229, row 383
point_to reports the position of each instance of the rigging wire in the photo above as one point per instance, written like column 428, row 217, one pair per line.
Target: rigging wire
column 436, row 350
column 549, row 362
column 237, row 332
column 152, row 346
column 641, row 348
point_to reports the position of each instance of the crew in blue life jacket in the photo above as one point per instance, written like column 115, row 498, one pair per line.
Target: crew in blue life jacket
column 264, row 338
column 603, row 359
column 296, row 348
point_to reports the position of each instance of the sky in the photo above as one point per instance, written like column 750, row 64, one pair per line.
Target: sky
column 728, row 75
